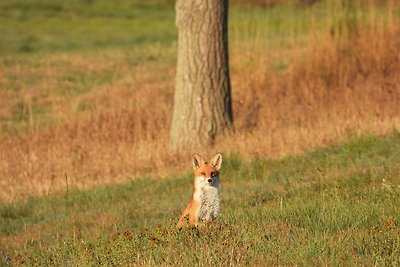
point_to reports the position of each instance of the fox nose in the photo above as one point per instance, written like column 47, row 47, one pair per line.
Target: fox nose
column 209, row 180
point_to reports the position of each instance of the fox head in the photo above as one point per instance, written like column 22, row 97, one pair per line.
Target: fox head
column 206, row 173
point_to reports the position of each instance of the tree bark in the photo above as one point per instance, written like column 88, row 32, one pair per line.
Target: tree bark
column 202, row 103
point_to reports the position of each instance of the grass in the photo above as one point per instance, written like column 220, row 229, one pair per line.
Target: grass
column 86, row 89
column 331, row 206
column 86, row 93
column 44, row 26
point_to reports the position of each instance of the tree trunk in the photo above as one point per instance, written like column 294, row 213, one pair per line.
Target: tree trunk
column 202, row 103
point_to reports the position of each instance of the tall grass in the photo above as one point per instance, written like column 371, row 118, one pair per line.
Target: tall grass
column 302, row 76
column 336, row 76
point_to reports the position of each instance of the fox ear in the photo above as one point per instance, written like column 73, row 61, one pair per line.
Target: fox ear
column 216, row 161
column 197, row 161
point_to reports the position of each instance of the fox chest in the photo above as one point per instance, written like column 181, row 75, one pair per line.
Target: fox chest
column 209, row 204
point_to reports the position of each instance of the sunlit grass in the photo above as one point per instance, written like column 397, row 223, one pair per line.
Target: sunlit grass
column 38, row 37
column 334, row 206
column 86, row 91
column 86, row 86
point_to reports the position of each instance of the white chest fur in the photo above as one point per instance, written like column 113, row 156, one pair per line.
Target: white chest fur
column 210, row 203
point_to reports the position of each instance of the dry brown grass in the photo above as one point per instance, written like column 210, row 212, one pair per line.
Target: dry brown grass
column 113, row 143
column 338, row 89
column 334, row 88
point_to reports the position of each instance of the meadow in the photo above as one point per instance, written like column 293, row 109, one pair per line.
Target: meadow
column 87, row 89
column 87, row 177
column 334, row 206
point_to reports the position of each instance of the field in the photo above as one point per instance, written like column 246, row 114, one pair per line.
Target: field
column 86, row 91
column 334, row 206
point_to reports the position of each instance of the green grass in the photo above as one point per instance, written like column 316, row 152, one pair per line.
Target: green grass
column 332, row 206
column 45, row 26
column 282, row 212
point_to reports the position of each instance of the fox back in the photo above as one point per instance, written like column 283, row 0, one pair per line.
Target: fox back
column 204, row 204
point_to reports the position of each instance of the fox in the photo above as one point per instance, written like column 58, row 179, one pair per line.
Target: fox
column 204, row 204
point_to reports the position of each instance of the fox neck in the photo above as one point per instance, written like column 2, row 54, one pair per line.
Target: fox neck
column 208, row 195
column 208, row 198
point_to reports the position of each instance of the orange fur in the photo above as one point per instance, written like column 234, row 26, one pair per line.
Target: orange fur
column 203, row 205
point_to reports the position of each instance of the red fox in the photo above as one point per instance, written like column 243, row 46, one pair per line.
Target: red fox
column 204, row 204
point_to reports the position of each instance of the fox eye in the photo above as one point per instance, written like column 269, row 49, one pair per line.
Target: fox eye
column 213, row 174
column 203, row 174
